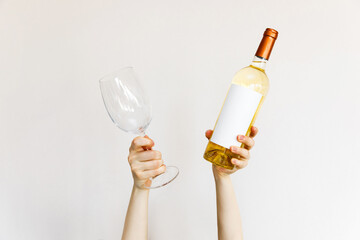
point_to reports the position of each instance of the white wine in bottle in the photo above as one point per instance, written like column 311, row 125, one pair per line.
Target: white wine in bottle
column 242, row 104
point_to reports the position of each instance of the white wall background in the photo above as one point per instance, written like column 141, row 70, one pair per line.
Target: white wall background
column 63, row 164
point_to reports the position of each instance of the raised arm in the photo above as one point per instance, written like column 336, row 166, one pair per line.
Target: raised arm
column 228, row 213
column 145, row 163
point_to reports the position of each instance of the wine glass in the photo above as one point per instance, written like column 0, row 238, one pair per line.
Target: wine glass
column 130, row 110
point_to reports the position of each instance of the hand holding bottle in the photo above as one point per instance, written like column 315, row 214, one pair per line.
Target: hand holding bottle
column 145, row 163
column 244, row 99
column 243, row 153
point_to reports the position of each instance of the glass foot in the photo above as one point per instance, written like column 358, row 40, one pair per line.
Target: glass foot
column 163, row 179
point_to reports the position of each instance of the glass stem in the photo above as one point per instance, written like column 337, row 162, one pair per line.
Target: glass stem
column 143, row 134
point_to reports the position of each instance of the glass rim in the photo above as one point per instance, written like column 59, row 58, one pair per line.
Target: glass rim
column 104, row 78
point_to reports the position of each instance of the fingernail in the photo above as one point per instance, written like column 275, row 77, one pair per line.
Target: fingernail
column 232, row 148
column 241, row 137
column 233, row 161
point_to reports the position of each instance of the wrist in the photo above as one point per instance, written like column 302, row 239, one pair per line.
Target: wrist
column 222, row 178
column 139, row 189
column 219, row 174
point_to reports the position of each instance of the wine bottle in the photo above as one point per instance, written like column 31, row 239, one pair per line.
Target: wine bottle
column 242, row 104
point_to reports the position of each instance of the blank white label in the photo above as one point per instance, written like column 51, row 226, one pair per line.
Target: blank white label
column 237, row 112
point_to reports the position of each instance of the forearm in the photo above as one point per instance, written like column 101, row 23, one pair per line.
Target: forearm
column 136, row 221
column 228, row 214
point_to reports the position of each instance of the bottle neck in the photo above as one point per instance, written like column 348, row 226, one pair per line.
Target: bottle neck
column 264, row 50
column 259, row 63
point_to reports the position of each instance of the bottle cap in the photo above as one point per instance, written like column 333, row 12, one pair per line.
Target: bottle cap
column 267, row 43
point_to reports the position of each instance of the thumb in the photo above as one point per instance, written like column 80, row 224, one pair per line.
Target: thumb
column 208, row 133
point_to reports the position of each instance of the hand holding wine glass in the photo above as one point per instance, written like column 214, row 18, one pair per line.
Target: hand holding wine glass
column 145, row 163
column 130, row 110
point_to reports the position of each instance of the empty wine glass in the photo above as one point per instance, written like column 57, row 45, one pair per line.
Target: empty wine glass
column 130, row 110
